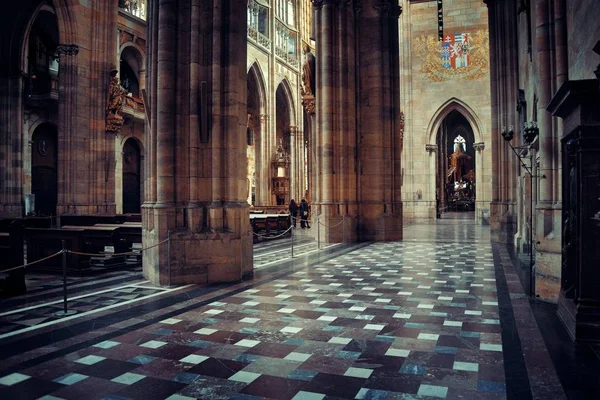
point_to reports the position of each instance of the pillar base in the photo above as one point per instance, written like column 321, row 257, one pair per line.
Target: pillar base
column 197, row 255
column 502, row 222
column 548, row 252
column 375, row 225
column 582, row 320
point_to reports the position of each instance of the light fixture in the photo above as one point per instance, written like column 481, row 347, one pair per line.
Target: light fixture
column 530, row 131
column 508, row 134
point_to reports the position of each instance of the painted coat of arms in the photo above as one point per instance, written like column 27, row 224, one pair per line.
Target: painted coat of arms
column 459, row 55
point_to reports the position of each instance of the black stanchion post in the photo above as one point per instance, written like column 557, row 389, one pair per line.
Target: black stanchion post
column 292, row 232
column 169, row 254
column 65, row 312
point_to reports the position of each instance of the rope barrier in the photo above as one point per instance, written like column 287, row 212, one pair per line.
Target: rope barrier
column 33, row 262
column 272, row 237
column 332, row 226
column 129, row 253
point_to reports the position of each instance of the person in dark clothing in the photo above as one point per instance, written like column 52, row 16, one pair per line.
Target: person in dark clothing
column 293, row 207
column 304, row 214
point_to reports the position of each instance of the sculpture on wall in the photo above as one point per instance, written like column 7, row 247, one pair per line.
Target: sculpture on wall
column 308, row 88
column 308, row 72
column 114, row 104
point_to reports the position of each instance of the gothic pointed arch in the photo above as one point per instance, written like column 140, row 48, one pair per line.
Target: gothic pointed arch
column 286, row 89
column 454, row 104
column 256, row 76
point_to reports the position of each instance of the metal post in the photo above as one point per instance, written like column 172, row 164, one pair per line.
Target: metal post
column 64, row 265
column 292, row 232
column 169, row 254
column 343, row 229
column 531, row 275
column 318, row 232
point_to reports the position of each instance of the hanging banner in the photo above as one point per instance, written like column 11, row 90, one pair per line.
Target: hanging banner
column 440, row 20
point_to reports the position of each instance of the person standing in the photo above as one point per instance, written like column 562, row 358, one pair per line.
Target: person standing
column 293, row 207
column 304, row 214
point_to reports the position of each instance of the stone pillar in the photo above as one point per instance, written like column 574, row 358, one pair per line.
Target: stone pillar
column 481, row 216
column 335, row 130
column 432, row 194
column 380, row 141
column 547, row 218
column 504, row 94
column 263, row 164
column 11, row 138
column 210, row 242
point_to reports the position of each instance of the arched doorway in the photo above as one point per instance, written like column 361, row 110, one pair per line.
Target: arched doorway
column 252, row 134
column 283, row 111
column 131, row 65
column 44, row 167
column 257, row 150
column 131, row 177
column 456, row 180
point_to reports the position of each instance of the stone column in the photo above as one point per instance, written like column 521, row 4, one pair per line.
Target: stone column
column 480, row 203
column 11, row 138
column 380, row 204
column 335, row 194
column 432, row 194
column 547, row 219
column 214, row 242
column 504, row 94
column 263, row 164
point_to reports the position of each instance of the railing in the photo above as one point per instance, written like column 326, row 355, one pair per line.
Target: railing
column 137, row 8
column 133, row 106
column 286, row 44
column 256, row 14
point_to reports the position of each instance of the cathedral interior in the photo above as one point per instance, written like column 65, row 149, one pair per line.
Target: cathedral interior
column 300, row 199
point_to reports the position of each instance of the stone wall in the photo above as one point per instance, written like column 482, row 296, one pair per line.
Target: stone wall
column 429, row 93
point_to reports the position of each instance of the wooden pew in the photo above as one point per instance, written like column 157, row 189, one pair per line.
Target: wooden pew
column 269, row 224
column 12, row 283
column 44, row 242
column 130, row 232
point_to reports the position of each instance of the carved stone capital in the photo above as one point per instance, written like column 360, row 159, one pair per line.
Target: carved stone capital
column 479, row 146
column 387, row 8
column 431, row 148
column 67, row 49
column 309, row 104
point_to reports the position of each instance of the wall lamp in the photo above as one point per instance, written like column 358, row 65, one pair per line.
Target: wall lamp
column 530, row 131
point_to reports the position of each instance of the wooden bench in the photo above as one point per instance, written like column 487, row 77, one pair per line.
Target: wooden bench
column 45, row 242
column 83, row 239
column 269, row 224
column 11, row 255
column 130, row 232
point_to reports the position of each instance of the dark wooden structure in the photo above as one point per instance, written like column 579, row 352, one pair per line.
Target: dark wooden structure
column 269, row 224
column 578, row 103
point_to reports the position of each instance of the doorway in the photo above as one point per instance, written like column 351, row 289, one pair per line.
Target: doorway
column 131, row 177
column 456, row 180
column 44, row 167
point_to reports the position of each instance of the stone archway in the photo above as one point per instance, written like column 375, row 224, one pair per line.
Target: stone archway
column 257, row 141
column 455, row 172
column 285, row 132
column 458, row 114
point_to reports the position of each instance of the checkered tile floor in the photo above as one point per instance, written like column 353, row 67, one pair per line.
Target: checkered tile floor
column 390, row 321
column 22, row 318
